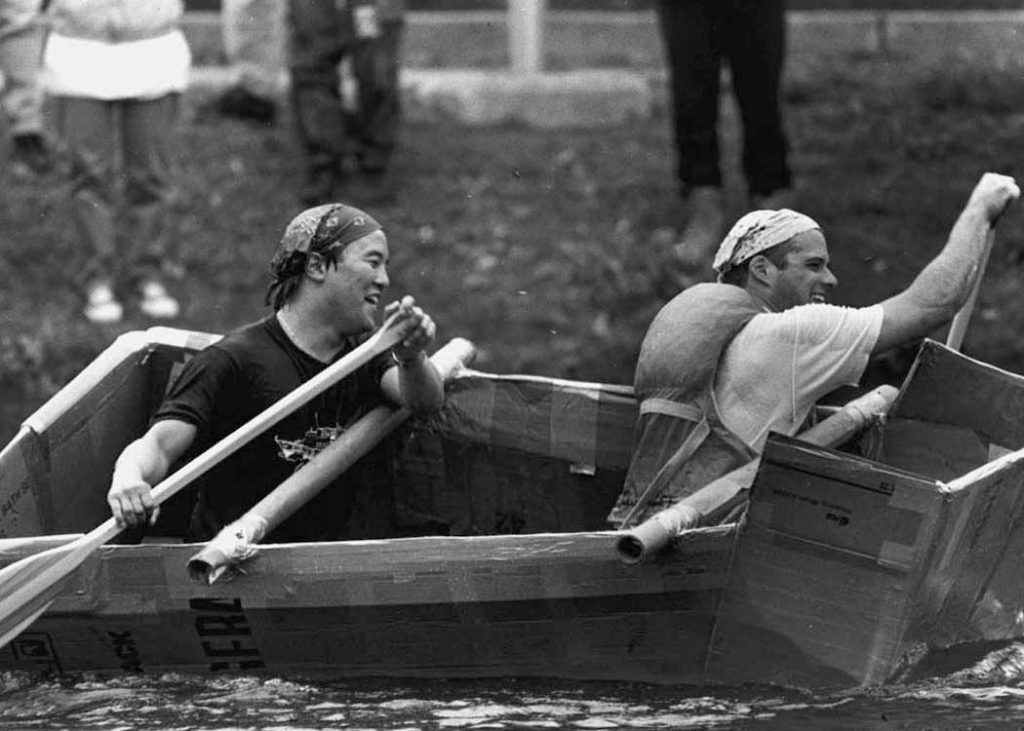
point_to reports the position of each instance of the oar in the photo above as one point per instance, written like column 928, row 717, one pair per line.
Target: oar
column 28, row 586
column 235, row 543
column 958, row 328
column 718, row 496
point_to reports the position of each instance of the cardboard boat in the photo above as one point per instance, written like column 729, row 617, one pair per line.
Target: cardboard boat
column 848, row 567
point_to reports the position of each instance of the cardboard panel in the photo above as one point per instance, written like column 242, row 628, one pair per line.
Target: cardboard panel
column 947, row 387
column 824, row 571
column 936, row 451
column 972, row 587
column 543, row 605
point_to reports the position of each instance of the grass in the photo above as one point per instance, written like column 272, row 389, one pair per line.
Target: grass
column 550, row 249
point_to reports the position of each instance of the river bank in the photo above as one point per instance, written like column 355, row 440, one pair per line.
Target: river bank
column 549, row 248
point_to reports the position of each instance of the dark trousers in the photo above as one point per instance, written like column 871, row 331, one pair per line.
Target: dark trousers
column 121, row 187
column 320, row 37
column 699, row 35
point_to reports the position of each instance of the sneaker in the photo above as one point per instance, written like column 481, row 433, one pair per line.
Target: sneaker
column 156, row 302
column 32, row 153
column 704, row 230
column 101, row 305
column 241, row 103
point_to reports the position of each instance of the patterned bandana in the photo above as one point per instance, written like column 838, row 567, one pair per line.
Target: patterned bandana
column 759, row 231
column 317, row 230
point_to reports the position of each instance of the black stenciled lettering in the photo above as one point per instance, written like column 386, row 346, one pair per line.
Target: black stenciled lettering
column 221, row 625
column 841, row 520
column 225, row 618
column 235, row 650
column 216, row 605
column 125, row 650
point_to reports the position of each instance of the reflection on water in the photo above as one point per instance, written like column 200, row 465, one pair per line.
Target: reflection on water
column 176, row 702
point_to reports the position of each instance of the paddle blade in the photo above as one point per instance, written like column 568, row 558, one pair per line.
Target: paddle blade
column 24, row 624
column 29, row 586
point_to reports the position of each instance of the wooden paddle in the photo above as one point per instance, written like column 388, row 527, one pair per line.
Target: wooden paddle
column 28, row 586
column 717, row 497
column 958, row 328
column 236, row 542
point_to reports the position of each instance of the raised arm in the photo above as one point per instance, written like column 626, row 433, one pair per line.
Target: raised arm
column 942, row 287
column 415, row 383
column 142, row 464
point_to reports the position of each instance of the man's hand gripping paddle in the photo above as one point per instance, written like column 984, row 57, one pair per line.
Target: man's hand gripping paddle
column 29, row 586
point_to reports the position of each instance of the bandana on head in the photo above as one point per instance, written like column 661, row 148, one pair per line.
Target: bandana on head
column 759, row 231
column 316, row 230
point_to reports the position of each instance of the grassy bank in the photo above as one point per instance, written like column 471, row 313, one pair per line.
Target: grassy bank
column 550, row 250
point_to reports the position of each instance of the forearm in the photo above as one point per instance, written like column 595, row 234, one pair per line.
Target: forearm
column 141, row 460
column 944, row 284
column 419, row 385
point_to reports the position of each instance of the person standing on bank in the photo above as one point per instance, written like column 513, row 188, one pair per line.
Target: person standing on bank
column 338, row 144
column 21, row 97
column 116, row 70
column 328, row 277
column 723, row 364
column 252, row 32
column 698, row 35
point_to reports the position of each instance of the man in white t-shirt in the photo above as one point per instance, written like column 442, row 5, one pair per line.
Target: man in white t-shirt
column 724, row 364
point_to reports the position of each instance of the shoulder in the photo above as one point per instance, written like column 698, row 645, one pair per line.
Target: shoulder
column 702, row 304
column 817, row 322
column 710, row 293
column 250, row 341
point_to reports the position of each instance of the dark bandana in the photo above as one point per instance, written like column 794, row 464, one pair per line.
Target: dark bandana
column 316, row 230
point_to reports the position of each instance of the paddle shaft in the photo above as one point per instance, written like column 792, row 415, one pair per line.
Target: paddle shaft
column 958, row 328
column 352, row 444
column 719, row 497
column 235, row 542
column 28, row 586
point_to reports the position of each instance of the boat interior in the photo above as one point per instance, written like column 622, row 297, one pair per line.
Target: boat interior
column 506, row 454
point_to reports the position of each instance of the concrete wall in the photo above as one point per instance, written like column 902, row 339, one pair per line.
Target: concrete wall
column 630, row 40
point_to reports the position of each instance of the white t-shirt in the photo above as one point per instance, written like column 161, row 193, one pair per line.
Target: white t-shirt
column 144, row 69
column 781, row 363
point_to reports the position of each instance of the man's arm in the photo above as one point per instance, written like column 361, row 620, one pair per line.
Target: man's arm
column 943, row 286
column 415, row 383
column 142, row 464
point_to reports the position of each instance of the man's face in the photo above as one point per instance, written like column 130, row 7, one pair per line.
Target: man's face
column 806, row 277
column 357, row 283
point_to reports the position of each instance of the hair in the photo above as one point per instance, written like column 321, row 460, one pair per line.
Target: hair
column 290, row 272
column 777, row 255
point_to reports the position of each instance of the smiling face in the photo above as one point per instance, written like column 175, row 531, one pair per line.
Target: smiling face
column 354, row 286
column 805, row 278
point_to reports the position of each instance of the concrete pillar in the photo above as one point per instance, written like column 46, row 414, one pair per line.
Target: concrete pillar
column 526, row 35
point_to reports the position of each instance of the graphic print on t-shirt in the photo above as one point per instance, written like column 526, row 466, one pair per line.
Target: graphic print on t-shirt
column 300, row 451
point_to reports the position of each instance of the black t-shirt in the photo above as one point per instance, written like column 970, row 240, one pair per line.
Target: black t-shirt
column 238, row 377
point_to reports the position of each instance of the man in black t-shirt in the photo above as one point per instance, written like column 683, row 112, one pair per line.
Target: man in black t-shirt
column 329, row 275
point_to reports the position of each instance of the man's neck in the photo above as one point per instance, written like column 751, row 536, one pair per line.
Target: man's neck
column 760, row 298
column 308, row 334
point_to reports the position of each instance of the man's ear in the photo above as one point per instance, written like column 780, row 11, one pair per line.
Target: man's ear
column 316, row 267
column 762, row 270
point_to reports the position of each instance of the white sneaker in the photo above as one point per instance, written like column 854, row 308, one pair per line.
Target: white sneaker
column 156, row 302
column 102, row 306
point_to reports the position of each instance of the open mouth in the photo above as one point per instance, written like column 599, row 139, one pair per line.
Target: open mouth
column 373, row 299
column 817, row 299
